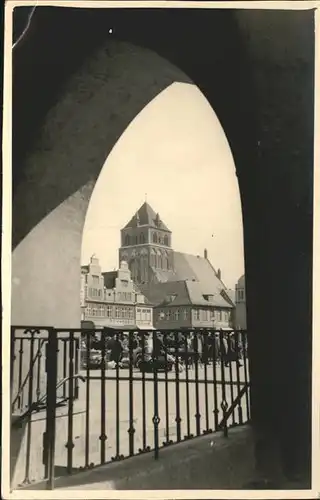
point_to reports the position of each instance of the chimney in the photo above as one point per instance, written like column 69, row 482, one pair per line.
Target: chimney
column 205, row 253
column 219, row 274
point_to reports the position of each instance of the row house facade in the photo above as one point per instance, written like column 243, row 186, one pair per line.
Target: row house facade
column 111, row 299
column 182, row 305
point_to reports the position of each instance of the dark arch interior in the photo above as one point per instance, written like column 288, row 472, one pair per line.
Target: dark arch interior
column 260, row 84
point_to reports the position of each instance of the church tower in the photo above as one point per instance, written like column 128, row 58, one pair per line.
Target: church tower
column 146, row 246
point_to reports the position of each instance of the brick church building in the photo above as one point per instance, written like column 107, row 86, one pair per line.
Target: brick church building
column 185, row 290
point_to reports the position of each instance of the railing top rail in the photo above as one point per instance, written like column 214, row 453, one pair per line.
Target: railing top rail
column 31, row 327
column 136, row 330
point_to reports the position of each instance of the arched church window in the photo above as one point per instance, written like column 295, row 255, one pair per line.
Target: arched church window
column 127, row 240
column 159, row 260
column 153, row 259
column 166, row 240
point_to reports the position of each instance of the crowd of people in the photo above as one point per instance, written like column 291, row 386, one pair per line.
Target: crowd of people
column 188, row 348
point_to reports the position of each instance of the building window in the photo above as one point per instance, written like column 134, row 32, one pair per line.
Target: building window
column 117, row 312
column 166, row 240
column 197, row 314
column 109, row 311
column 142, row 240
column 176, row 315
column 161, row 315
column 127, row 240
column 218, row 315
column 168, row 315
column 95, row 280
column 185, row 314
column 154, row 238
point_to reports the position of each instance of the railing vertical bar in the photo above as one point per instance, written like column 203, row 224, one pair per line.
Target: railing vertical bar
column 50, row 434
column 20, row 398
column 70, row 443
column 77, row 349
column 117, row 407
column 224, row 403
column 87, row 417
column 215, row 388
column 230, row 361
column 30, row 401
column 12, row 361
column 103, row 436
column 156, row 419
column 64, row 367
column 215, row 354
column 238, row 378
column 177, row 384
column 188, row 436
column 205, row 361
column 165, row 341
column 144, row 418
column 38, row 390
column 245, row 368
column 131, row 429
column 197, row 356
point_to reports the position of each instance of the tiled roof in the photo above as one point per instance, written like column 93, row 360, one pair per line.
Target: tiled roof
column 197, row 295
column 147, row 216
column 194, row 267
column 163, row 276
column 181, row 293
column 199, row 277
column 173, row 293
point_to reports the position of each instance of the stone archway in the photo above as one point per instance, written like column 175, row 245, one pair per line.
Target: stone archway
column 242, row 63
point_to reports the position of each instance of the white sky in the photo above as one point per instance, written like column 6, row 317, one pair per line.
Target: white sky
column 175, row 150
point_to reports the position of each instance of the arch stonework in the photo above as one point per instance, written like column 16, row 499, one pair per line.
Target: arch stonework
column 50, row 205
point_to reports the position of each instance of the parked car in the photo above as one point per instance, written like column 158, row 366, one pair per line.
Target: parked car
column 147, row 363
column 92, row 361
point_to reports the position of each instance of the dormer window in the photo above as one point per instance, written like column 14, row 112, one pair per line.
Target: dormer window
column 209, row 298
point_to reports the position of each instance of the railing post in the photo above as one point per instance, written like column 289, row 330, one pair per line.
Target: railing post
column 50, row 433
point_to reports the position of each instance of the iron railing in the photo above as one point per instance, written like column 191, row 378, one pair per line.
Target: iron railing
column 142, row 391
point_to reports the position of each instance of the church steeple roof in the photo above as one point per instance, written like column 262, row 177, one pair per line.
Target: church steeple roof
column 146, row 216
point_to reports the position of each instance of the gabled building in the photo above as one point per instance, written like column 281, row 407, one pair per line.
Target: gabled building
column 186, row 304
column 111, row 299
